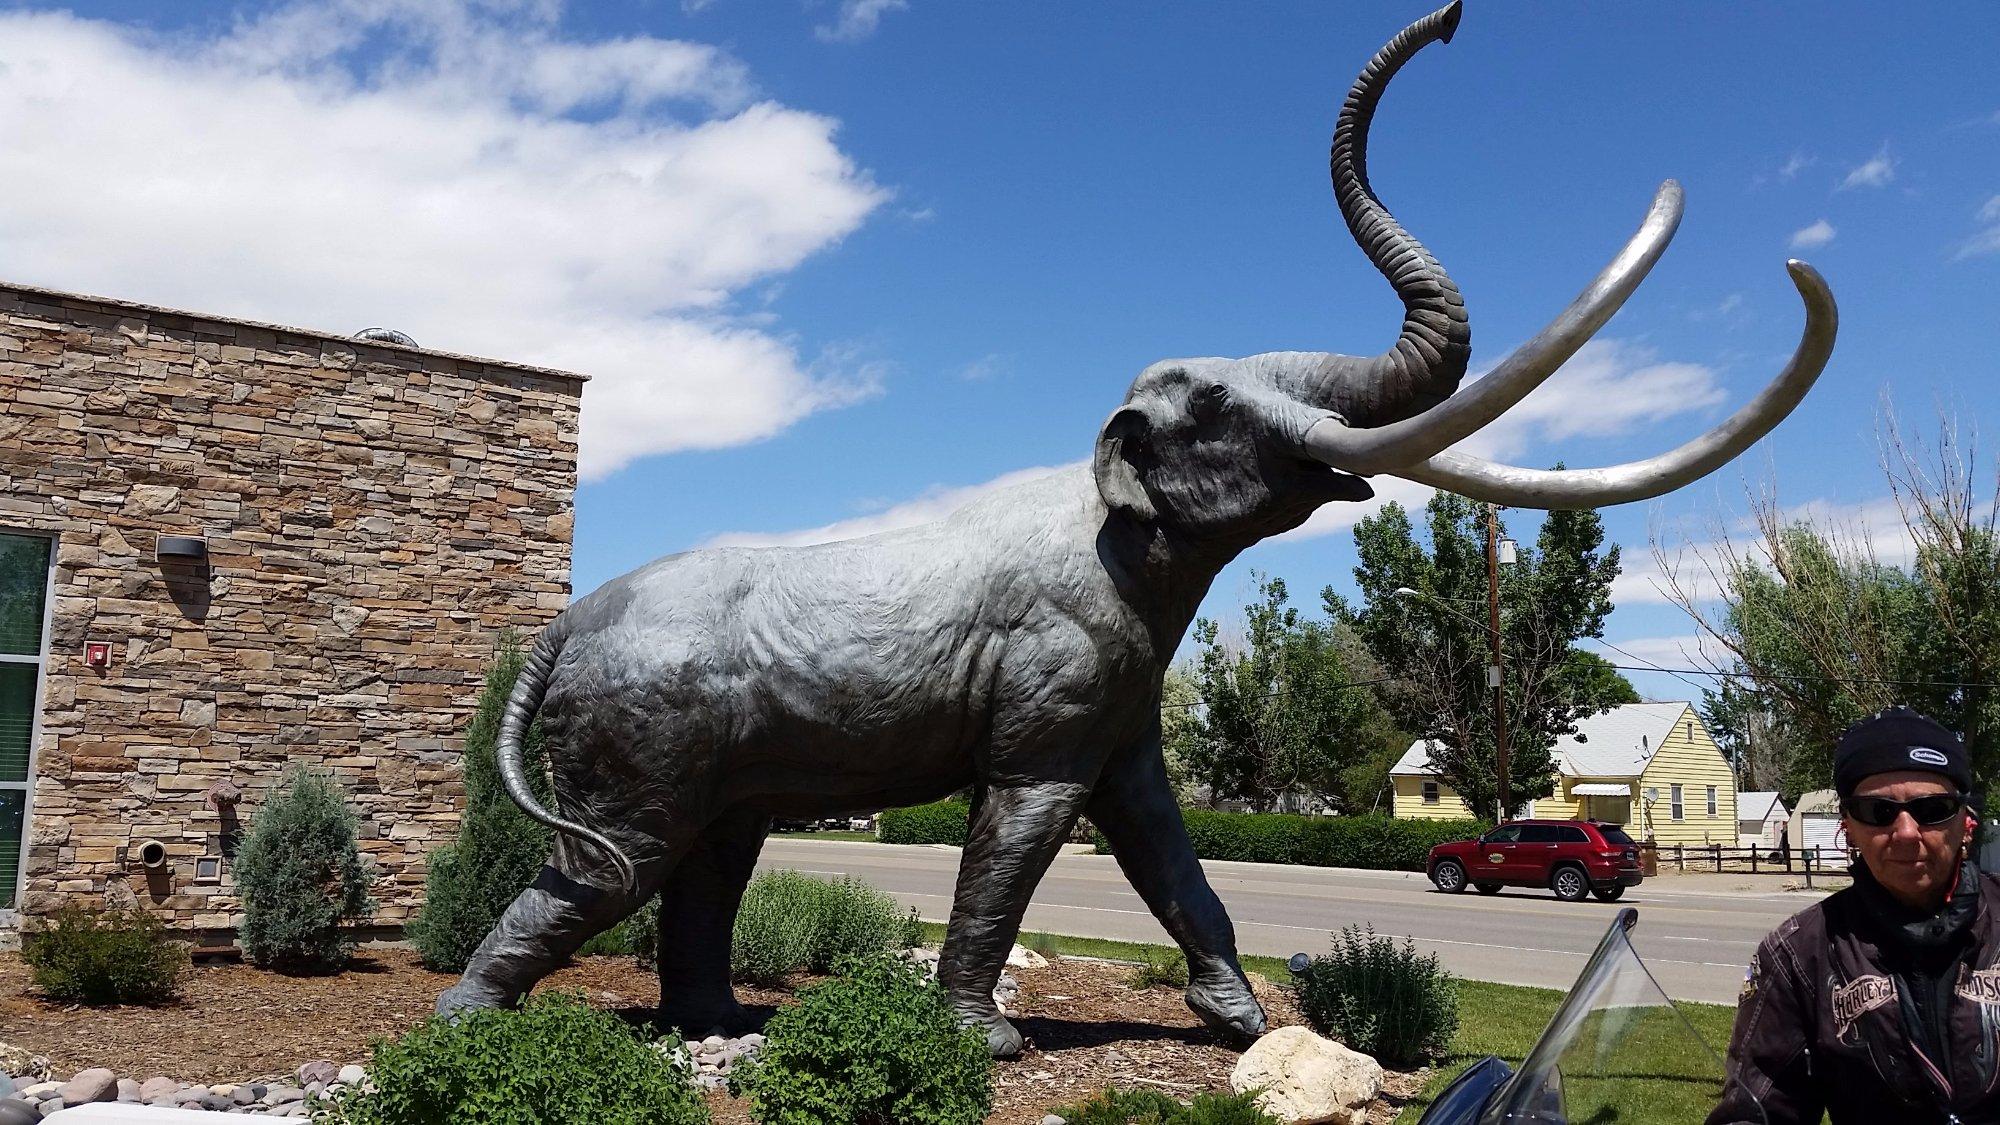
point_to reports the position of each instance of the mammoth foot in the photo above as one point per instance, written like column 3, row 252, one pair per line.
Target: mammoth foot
column 1224, row 1002
column 1003, row 1039
column 698, row 1021
column 469, row 995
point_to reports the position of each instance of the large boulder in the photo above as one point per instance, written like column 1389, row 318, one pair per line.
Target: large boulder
column 1308, row 1078
column 94, row 1085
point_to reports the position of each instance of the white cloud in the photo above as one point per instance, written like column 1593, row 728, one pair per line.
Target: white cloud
column 858, row 20
column 931, row 505
column 457, row 169
column 1987, row 240
column 1877, row 171
column 1877, row 523
column 1609, row 387
column 1797, row 162
column 1816, row 235
column 984, row 368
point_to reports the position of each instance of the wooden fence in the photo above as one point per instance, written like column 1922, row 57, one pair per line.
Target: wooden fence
column 1778, row 860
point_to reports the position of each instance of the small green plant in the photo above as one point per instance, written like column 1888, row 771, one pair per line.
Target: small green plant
column 1048, row 945
column 1151, row 1107
column 471, row 880
column 555, row 1059
column 637, row 936
column 912, row 933
column 300, row 874
column 791, row 923
column 1380, row 998
column 1161, row 968
column 877, row 1045
column 104, row 957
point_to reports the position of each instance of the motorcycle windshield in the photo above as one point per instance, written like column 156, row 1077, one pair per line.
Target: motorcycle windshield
column 1617, row 1050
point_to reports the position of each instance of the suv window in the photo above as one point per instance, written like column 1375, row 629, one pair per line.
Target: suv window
column 1506, row 835
column 1572, row 836
column 1614, row 835
column 1540, row 834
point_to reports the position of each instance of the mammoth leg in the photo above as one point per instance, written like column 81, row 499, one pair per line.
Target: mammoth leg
column 1134, row 807
column 550, row 921
column 697, row 915
column 1013, row 838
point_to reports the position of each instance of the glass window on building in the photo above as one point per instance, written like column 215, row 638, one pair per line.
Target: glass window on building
column 1430, row 792
column 1680, row 809
column 24, row 588
column 1711, row 800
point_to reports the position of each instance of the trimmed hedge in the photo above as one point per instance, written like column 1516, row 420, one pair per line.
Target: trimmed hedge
column 1374, row 842
column 942, row 822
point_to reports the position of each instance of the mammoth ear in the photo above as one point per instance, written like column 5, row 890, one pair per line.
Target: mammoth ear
column 1122, row 455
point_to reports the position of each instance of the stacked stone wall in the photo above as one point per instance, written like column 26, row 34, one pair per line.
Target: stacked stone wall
column 376, row 518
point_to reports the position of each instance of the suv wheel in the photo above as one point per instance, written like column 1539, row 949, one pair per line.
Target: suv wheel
column 1570, row 883
column 1449, row 876
column 1609, row 894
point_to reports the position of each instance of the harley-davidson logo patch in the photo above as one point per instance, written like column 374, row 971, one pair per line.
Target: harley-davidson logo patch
column 1982, row 987
column 1859, row 997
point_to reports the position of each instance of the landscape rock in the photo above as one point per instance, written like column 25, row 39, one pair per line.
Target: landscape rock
column 128, row 1090
column 1021, row 957
column 157, row 1088
column 1307, row 1078
column 40, row 1091
column 321, row 1071
column 23, row 1063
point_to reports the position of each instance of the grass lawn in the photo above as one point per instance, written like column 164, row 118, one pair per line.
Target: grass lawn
column 1654, row 1078
column 827, row 834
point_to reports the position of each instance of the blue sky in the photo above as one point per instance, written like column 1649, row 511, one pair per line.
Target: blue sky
column 839, row 265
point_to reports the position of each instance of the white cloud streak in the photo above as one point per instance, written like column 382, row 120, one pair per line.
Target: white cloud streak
column 458, row 169
column 857, row 20
column 1876, row 523
column 1987, row 239
column 1877, row 171
column 1816, row 235
column 933, row 504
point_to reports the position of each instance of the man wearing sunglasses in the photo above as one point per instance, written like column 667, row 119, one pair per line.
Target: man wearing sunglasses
column 1881, row 1003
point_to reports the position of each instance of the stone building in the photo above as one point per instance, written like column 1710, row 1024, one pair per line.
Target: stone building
column 227, row 547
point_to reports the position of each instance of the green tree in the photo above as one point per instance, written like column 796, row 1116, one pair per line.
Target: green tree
column 498, row 850
column 1287, row 713
column 300, row 875
column 1822, row 632
column 1180, row 728
column 1436, row 645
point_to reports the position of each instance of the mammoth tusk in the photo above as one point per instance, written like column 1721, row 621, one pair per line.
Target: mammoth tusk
column 1390, row 448
column 1642, row 480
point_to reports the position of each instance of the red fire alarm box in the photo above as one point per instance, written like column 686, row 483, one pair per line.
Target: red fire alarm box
column 97, row 654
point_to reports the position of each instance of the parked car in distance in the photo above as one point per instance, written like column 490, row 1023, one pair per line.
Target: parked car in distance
column 1573, row 858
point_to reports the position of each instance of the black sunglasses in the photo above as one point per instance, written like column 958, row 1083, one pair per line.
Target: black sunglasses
column 1881, row 812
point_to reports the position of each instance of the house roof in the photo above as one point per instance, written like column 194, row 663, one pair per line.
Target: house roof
column 1615, row 743
column 1758, row 806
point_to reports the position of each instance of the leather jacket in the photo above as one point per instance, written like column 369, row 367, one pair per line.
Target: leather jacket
column 1860, row 1010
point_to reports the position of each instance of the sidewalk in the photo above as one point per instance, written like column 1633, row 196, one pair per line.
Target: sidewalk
column 1709, row 883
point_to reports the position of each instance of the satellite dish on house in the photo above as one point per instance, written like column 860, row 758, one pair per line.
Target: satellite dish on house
column 385, row 336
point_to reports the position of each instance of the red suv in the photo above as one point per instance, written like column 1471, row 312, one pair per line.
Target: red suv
column 1573, row 858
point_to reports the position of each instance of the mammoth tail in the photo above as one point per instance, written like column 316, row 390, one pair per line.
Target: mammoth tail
column 526, row 699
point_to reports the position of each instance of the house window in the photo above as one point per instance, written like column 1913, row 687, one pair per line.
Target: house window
column 1711, row 800
column 1679, row 810
column 24, row 593
column 1430, row 792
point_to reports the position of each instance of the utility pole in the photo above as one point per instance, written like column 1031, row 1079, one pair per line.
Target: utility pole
column 1494, row 674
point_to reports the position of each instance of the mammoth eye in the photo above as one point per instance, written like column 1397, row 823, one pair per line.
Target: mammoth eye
column 1210, row 401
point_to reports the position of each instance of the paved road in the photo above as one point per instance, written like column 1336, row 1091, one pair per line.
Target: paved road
column 1696, row 941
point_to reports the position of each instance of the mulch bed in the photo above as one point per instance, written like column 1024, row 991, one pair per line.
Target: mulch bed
column 1086, row 1028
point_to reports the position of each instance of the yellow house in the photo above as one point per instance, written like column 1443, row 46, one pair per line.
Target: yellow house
column 1650, row 766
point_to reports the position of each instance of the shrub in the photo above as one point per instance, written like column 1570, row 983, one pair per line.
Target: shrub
column 1151, row 1107
column 1048, row 945
column 791, row 923
column 556, row 1059
column 1380, row 998
column 1374, row 842
column 1166, row 967
column 300, row 876
column 878, row 1045
column 637, row 936
column 943, row 822
column 499, row 849
column 104, row 957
